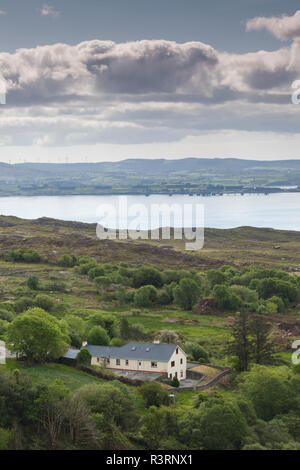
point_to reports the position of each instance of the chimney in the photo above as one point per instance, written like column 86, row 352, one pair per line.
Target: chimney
column 156, row 341
column 84, row 344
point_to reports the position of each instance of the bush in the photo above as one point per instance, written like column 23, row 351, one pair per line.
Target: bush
column 154, row 394
column 84, row 357
column 145, row 296
column 6, row 315
column 25, row 256
column 226, row 299
column 102, row 283
column 33, row 283
column 196, row 352
column 97, row 271
column 270, row 390
column 3, row 327
column 67, row 261
column 146, row 275
column 286, row 290
column 98, row 336
column 187, row 293
column 278, row 302
column 45, row 302
column 215, row 277
column 23, row 303
column 117, row 342
column 246, row 294
column 175, row 382
column 163, row 297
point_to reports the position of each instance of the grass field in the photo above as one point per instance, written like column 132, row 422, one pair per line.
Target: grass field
column 47, row 373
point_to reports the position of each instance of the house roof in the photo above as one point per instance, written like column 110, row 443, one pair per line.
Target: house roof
column 71, row 353
column 134, row 350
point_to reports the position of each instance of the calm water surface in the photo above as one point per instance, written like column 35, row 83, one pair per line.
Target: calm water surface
column 280, row 211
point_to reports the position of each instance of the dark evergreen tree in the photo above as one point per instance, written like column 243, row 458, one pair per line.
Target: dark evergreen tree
column 241, row 343
column 262, row 349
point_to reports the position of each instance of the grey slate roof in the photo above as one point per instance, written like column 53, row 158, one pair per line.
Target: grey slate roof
column 134, row 350
column 71, row 353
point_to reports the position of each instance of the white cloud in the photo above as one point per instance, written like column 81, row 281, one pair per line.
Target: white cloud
column 284, row 27
column 48, row 10
column 146, row 70
column 142, row 92
column 2, row 12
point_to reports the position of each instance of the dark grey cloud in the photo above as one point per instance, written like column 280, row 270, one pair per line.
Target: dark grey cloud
column 143, row 92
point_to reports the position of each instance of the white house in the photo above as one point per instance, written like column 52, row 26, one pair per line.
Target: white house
column 167, row 359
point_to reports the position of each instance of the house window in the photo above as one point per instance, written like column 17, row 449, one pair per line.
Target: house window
column 126, row 362
column 107, row 361
column 173, row 364
column 98, row 359
column 181, row 361
column 118, row 362
column 153, row 364
column 170, row 376
column 181, row 373
column 176, row 350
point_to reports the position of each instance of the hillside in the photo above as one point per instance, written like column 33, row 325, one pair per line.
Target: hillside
column 144, row 176
column 238, row 246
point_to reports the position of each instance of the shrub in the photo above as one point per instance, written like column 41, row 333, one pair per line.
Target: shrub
column 154, row 394
column 98, row 336
column 215, row 277
column 84, row 357
column 175, row 382
column 33, row 283
column 44, row 301
column 96, row 271
column 23, row 303
column 6, row 315
column 196, row 352
column 145, row 296
column 163, row 297
column 26, row 256
column 116, row 342
column 226, row 299
column 67, row 261
column 187, row 293
column 146, row 275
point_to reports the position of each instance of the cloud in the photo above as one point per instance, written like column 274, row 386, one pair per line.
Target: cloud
column 2, row 12
column 143, row 92
column 158, row 70
column 284, row 27
column 48, row 10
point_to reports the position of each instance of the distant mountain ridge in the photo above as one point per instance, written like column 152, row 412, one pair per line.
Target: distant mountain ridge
column 148, row 165
column 146, row 176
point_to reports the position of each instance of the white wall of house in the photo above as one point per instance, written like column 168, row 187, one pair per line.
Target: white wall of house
column 177, row 365
column 132, row 364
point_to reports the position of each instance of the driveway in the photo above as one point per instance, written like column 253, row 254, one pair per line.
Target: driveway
column 131, row 374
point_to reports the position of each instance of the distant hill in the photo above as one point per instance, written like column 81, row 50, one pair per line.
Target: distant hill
column 160, row 165
column 145, row 176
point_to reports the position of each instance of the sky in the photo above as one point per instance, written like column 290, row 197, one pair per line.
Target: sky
column 104, row 80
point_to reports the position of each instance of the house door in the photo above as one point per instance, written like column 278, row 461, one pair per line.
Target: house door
column 139, row 365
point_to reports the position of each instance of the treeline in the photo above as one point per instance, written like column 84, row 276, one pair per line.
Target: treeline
column 262, row 414
column 255, row 288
